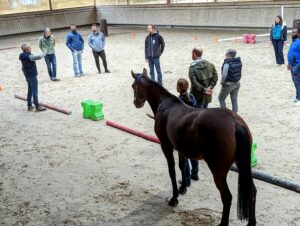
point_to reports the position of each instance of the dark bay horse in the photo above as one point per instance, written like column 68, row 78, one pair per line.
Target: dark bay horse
column 218, row 136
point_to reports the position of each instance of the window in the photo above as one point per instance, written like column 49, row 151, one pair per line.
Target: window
column 20, row 6
column 136, row 2
column 111, row 2
column 60, row 4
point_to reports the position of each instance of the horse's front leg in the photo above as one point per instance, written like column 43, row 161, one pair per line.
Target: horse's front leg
column 168, row 151
column 182, row 166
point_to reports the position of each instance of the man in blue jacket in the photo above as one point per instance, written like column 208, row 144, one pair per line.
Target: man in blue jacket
column 96, row 41
column 75, row 43
column 294, row 63
column 154, row 47
column 30, row 71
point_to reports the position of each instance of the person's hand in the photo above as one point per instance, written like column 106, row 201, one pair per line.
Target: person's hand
column 289, row 67
column 284, row 43
column 208, row 91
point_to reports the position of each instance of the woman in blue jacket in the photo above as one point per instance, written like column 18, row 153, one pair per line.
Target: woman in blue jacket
column 278, row 37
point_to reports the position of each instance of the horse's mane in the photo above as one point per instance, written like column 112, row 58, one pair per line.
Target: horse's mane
column 162, row 88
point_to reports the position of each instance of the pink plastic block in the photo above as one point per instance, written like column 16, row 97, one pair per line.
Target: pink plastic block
column 246, row 38
column 252, row 38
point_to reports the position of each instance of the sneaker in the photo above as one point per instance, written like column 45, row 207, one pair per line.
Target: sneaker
column 77, row 75
column 107, row 71
column 297, row 103
column 31, row 108
column 55, row 79
column 195, row 177
column 81, row 74
column 99, row 72
column 294, row 99
column 40, row 108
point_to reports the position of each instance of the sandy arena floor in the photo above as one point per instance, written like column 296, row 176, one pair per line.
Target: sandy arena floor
column 65, row 170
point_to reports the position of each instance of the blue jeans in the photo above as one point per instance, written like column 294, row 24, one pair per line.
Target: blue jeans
column 155, row 62
column 51, row 65
column 296, row 79
column 32, row 91
column 188, row 172
column 278, row 48
column 77, row 62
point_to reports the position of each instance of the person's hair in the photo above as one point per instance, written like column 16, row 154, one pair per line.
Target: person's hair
column 280, row 19
column 182, row 85
column 231, row 53
column 152, row 26
column 47, row 29
column 94, row 25
column 25, row 46
column 73, row 25
column 198, row 52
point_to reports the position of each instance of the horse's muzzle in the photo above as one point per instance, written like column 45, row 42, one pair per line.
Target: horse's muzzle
column 138, row 104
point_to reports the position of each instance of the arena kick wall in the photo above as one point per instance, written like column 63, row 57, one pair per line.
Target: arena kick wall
column 205, row 15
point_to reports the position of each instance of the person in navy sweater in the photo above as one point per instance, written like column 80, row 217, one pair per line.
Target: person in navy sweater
column 75, row 43
column 189, row 99
column 30, row 72
column 294, row 63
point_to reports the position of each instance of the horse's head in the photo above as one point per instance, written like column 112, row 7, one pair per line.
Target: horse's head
column 139, row 95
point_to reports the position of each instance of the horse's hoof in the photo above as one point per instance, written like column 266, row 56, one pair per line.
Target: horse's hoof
column 182, row 190
column 173, row 202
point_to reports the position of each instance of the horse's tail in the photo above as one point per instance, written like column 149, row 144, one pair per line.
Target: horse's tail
column 246, row 187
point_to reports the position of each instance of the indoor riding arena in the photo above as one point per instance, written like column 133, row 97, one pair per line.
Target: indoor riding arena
column 78, row 148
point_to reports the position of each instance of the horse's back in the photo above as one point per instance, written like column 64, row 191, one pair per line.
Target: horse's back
column 202, row 132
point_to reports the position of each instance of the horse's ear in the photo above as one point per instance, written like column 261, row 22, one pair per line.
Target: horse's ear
column 145, row 72
column 132, row 73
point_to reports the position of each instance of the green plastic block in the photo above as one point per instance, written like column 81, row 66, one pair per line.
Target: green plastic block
column 97, row 113
column 87, row 110
column 253, row 157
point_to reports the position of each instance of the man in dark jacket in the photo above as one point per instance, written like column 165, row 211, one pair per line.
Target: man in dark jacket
column 231, row 75
column 154, row 47
column 203, row 77
column 75, row 43
column 30, row 71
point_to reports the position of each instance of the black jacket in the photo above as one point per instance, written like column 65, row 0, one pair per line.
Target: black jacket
column 154, row 45
column 28, row 66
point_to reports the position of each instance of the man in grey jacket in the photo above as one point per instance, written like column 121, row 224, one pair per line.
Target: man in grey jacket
column 96, row 41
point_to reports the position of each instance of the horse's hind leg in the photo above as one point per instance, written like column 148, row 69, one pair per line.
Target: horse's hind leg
column 221, row 183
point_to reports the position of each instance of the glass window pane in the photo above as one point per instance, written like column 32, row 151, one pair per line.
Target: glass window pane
column 135, row 2
column 21, row 6
column 60, row 4
column 111, row 2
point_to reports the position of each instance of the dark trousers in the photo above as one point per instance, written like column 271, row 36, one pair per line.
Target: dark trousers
column 51, row 65
column 188, row 171
column 278, row 47
column 103, row 58
column 296, row 79
column 32, row 92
